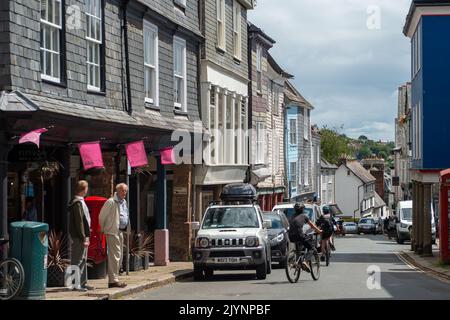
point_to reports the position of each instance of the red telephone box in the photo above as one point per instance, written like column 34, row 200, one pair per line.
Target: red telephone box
column 97, row 246
column 444, row 218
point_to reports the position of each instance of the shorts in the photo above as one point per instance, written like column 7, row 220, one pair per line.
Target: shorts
column 326, row 235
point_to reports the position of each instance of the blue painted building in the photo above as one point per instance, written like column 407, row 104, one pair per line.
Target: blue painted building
column 300, row 166
column 428, row 28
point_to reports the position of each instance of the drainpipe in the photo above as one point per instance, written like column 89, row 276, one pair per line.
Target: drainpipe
column 129, row 107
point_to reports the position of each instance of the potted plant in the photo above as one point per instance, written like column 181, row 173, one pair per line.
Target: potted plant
column 57, row 258
column 148, row 245
column 135, row 261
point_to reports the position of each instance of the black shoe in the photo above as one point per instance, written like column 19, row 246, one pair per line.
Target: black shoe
column 80, row 289
column 322, row 258
column 117, row 285
column 332, row 247
column 88, row 287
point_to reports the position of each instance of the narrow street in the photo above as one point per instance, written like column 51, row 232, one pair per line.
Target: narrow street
column 345, row 278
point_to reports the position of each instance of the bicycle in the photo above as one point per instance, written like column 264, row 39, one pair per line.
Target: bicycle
column 12, row 276
column 297, row 256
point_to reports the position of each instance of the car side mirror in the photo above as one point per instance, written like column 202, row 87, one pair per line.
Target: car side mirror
column 195, row 225
column 267, row 224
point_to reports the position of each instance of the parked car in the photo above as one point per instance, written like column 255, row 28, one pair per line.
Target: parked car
column 404, row 225
column 367, row 225
column 278, row 236
column 350, row 227
column 233, row 235
column 312, row 210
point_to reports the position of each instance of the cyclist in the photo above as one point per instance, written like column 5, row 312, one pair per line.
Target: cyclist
column 327, row 215
column 296, row 234
column 326, row 225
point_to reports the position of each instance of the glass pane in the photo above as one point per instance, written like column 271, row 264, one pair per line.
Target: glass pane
column 44, row 9
column 55, row 39
column 152, row 84
column 236, row 115
column 97, row 29
column 146, row 47
column 229, row 108
column 97, row 54
column 92, row 28
column 90, row 75
column 48, row 64
column 55, row 65
column 47, row 36
column 50, row 11
column 98, row 8
column 147, row 81
column 179, row 90
column 42, row 61
column 42, row 36
column 213, row 118
column 89, row 52
column 57, row 13
column 178, row 60
column 220, row 108
column 151, row 48
column 97, row 76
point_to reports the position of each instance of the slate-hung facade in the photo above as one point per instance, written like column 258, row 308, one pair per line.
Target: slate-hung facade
column 267, row 119
column 224, row 97
column 125, row 71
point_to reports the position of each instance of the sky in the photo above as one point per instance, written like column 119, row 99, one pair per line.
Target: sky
column 348, row 57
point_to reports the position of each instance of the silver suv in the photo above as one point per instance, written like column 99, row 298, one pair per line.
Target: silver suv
column 232, row 235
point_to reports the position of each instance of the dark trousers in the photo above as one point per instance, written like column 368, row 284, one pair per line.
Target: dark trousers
column 79, row 258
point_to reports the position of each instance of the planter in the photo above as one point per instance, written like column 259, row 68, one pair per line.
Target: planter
column 55, row 277
column 135, row 263
column 145, row 261
column 97, row 271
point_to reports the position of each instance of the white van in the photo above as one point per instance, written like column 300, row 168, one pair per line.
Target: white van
column 404, row 226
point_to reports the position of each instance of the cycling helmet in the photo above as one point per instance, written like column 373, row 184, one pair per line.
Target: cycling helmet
column 326, row 210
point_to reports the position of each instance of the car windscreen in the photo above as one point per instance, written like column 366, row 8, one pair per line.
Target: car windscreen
column 407, row 214
column 349, row 224
column 232, row 217
column 289, row 212
column 371, row 221
column 276, row 221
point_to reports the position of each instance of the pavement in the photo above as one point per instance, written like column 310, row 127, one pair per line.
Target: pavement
column 154, row 276
column 363, row 267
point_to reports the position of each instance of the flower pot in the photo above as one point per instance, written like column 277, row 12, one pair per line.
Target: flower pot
column 97, row 271
column 55, row 277
column 135, row 263
column 145, row 261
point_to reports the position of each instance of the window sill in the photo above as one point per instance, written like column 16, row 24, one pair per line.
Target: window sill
column 151, row 106
column 220, row 49
column 259, row 93
column 180, row 112
column 95, row 92
column 57, row 83
column 237, row 60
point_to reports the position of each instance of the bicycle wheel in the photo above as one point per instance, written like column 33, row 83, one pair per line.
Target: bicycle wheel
column 292, row 267
column 314, row 265
column 12, row 278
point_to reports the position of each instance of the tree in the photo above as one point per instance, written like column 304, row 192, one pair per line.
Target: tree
column 364, row 153
column 335, row 145
column 362, row 138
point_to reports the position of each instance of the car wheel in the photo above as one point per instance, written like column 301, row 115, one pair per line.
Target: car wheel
column 198, row 273
column 261, row 271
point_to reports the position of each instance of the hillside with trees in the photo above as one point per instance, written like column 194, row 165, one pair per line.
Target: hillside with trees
column 336, row 145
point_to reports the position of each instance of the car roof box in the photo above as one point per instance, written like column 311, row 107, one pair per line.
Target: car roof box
column 238, row 192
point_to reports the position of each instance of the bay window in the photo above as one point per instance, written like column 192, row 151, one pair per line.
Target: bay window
column 50, row 44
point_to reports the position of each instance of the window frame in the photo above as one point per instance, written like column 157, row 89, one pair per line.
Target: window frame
column 153, row 31
column 177, row 41
column 306, row 173
column 60, row 38
column 260, row 141
column 294, row 165
column 258, row 68
column 220, row 25
column 237, row 30
column 293, row 132
column 95, row 42
column 306, row 128
column 181, row 3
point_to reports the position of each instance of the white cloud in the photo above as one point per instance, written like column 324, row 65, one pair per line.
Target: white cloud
column 347, row 71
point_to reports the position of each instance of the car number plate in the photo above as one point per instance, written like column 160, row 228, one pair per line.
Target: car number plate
column 227, row 260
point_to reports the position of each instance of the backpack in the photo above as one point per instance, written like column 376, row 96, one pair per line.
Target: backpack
column 326, row 225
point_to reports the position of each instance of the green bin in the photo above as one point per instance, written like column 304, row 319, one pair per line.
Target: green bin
column 29, row 245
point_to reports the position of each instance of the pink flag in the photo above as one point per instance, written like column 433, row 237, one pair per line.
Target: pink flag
column 91, row 154
column 167, row 156
column 32, row 136
column 136, row 154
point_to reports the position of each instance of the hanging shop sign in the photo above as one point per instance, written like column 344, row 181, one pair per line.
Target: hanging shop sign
column 91, row 155
column 167, row 156
column 136, row 154
column 32, row 136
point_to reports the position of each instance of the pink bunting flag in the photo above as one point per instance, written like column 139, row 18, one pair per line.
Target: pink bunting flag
column 167, row 156
column 32, row 136
column 91, row 155
column 136, row 154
